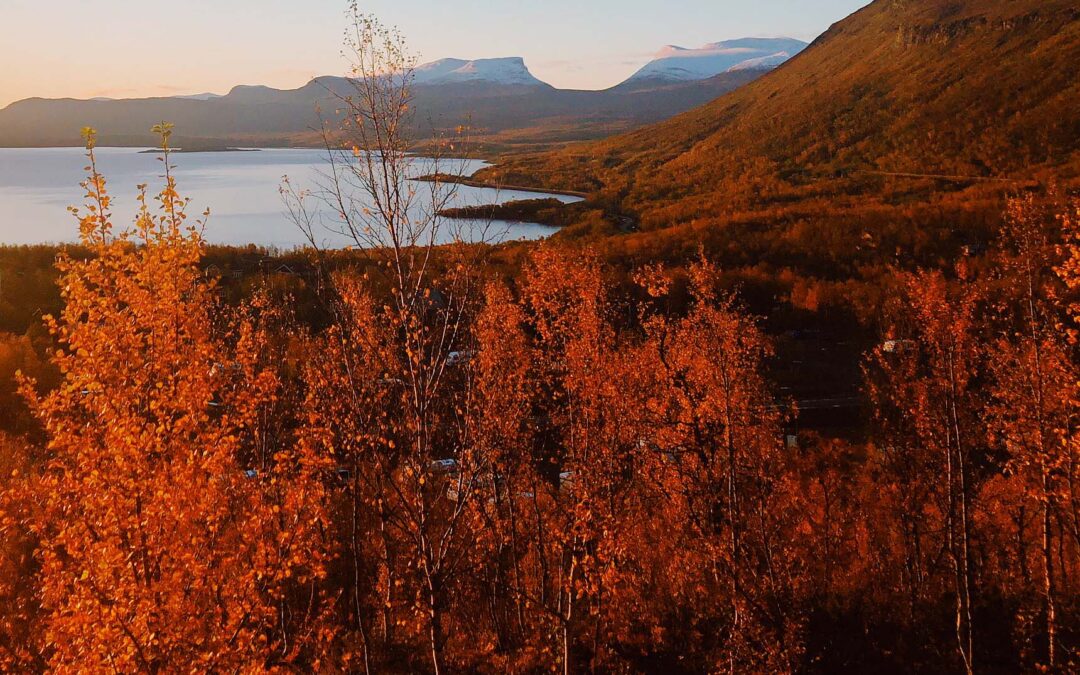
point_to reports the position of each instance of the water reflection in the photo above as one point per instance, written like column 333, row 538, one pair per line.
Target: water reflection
column 241, row 189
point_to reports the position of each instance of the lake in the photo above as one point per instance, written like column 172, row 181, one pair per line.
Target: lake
column 240, row 188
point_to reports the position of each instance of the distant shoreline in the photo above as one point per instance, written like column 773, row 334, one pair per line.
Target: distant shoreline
column 153, row 151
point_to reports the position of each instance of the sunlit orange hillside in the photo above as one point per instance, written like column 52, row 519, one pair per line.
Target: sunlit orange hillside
column 972, row 88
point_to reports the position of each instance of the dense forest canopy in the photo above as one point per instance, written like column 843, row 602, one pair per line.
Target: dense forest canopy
column 754, row 409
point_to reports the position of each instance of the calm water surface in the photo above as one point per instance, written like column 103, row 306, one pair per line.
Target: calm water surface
column 240, row 188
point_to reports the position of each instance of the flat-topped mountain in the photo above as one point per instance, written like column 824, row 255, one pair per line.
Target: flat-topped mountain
column 504, row 103
column 510, row 71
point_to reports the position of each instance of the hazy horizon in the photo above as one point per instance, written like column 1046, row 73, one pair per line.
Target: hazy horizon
column 118, row 51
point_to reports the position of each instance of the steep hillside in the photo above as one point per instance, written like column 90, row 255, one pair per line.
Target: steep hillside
column 982, row 89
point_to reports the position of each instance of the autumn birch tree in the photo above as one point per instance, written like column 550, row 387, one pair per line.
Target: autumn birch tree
column 931, row 377
column 722, row 450
column 422, row 299
column 161, row 548
column 1034, row 378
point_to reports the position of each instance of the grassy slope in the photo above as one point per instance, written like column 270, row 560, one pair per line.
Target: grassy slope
column 982, row 88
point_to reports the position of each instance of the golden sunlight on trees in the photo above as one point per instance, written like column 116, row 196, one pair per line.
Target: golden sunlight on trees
column 531, row 457
column 722, row 457
column 1032, row 409
column 931, row 383
column 174, row 520
column 448, row 467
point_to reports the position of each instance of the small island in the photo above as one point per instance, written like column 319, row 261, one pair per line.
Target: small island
column 472, row 182
column 550, row 212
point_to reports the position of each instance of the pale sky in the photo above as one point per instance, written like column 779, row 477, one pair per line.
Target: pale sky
column 128, row 48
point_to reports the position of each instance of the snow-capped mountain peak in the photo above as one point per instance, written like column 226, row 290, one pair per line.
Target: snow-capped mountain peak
column 427, row 72
column 502, row 71
column 761, row 62
column 679, row 64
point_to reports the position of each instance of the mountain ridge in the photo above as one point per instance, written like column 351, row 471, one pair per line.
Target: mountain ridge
column 977, row 88
column 504, row 104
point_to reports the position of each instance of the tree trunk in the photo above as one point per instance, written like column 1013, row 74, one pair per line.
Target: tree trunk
column 1048, row 569
column 961, row 561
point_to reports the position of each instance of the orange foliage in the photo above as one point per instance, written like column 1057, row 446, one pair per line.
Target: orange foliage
column 446, row 470
column 173, row 525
